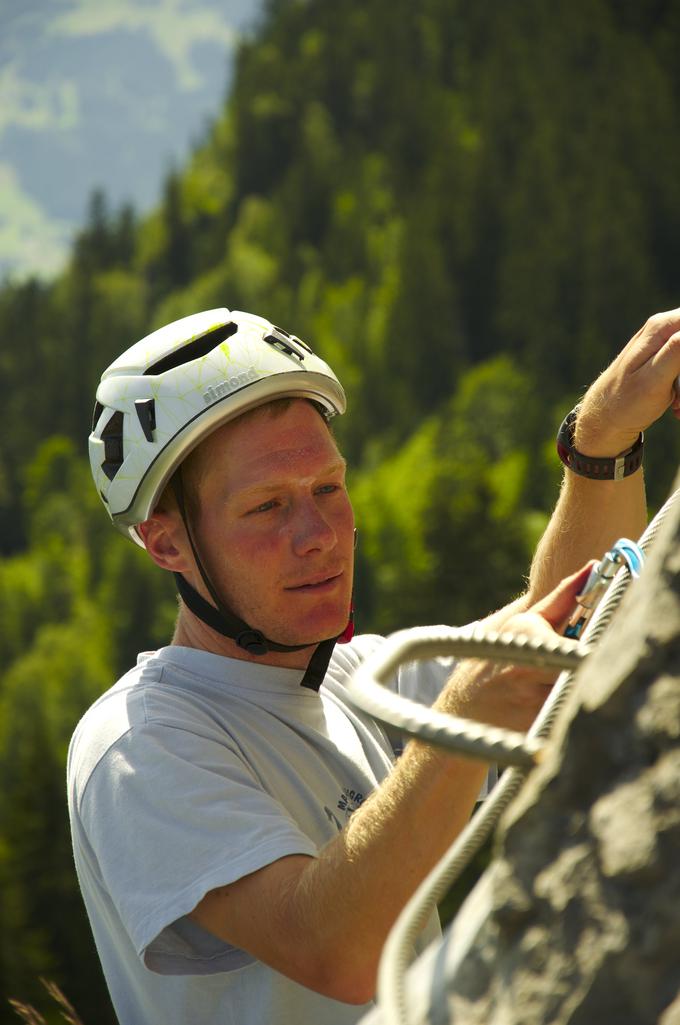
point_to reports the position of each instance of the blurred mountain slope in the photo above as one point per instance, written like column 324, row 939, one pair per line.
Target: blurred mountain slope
column 101, row 95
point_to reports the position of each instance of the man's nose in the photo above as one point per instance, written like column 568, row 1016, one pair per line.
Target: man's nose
column 311, row 530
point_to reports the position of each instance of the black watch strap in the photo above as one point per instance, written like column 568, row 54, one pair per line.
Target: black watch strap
column 596, row 467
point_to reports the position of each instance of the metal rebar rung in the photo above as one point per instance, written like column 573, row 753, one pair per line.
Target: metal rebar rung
column 367, row 688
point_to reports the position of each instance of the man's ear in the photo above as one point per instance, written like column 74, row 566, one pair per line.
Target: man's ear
column 165, row 541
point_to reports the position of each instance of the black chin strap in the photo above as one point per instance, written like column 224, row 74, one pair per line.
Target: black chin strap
column 224, row 622
column 318, row 664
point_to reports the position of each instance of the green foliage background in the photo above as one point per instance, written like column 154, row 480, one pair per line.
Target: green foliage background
column 467, row 208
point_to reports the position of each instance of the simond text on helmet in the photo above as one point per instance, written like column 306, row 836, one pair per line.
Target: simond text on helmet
column 219, row 391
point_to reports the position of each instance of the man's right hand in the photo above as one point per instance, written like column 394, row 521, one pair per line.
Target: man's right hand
column 512, row 695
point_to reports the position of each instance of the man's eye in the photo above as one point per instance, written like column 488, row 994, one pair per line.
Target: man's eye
column 264, row 507
column 328, row 489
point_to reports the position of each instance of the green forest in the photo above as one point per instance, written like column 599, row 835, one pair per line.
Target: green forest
column 467, row 208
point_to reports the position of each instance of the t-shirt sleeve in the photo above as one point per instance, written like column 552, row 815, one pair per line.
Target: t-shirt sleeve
column 169, row 816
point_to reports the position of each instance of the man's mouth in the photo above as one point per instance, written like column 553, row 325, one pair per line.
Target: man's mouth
column 317, row 584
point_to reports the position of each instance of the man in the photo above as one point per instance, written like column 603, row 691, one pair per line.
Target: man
column 243, row 838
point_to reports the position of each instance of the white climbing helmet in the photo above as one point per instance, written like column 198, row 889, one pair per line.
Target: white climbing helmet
column 159, row 399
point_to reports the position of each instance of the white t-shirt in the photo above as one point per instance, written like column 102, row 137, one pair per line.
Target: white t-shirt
column 191, row 772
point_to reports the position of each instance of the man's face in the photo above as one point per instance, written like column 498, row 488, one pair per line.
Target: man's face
column 276, row 527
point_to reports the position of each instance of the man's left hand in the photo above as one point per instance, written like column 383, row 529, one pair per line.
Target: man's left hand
column 634, row 390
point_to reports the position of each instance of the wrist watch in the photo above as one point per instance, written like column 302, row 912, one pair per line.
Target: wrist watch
column 596, row 467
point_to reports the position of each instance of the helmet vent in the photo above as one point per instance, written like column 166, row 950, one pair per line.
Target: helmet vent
column 112, row 436
column 98, row 410
column 292, row 346
column 194, row 349
column 146, row 413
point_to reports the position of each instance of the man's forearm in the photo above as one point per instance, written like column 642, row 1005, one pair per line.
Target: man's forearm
column 589, row 517
column 630, row 395
column 357, row 887
column 323, row 921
